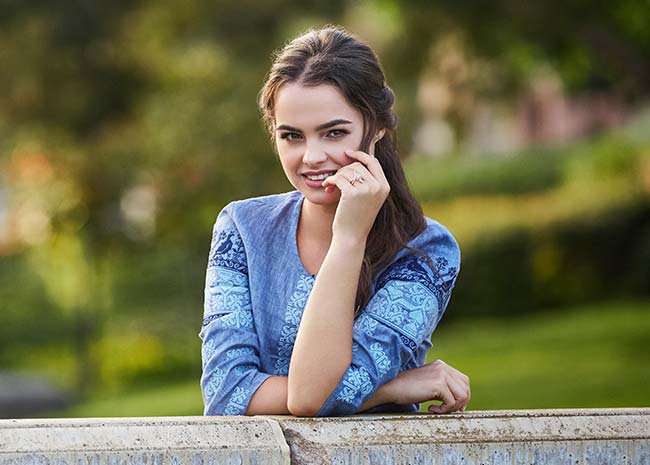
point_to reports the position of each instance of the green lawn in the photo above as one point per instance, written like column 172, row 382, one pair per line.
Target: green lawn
column 595, row 356
column 169, row 400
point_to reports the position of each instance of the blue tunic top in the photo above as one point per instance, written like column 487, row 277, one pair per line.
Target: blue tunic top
column 256, row 290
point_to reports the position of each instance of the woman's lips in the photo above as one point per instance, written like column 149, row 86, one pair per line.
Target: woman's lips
column 313, row 184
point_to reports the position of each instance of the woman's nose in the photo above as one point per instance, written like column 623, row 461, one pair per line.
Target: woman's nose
column 314, row 154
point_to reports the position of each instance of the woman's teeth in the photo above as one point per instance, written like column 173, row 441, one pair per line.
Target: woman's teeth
column 319, row 177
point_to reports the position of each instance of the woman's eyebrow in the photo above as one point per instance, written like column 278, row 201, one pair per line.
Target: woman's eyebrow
column 320, row 127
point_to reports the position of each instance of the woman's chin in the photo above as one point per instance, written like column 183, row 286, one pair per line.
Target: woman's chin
column 321, row 196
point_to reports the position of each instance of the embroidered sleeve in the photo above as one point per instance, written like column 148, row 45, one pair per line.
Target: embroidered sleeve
column 230, row 345
column 410, row 300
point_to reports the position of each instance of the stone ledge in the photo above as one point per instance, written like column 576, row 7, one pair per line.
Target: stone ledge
column 157, row 440
column 582, row 436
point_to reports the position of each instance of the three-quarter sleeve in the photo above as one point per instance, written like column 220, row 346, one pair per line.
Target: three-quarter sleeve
column 410, row 300
column 231, row 365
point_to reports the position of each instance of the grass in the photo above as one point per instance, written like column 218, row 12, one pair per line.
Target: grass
column 595, row 356
column 177, row 399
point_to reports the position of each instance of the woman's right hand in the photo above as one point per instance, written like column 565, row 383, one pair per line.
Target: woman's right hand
column 433, row 381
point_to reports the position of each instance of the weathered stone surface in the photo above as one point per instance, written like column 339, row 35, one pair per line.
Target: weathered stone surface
column 585, row 436
column 151, row 441
column 558, row 437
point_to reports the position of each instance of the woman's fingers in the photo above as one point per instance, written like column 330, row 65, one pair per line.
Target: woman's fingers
column 347, row 173
column 453, row 396
column 463, row 380
column 448, row 401
column 339, row 181
column 453, row 381
column 370, row 162
column 460, row 392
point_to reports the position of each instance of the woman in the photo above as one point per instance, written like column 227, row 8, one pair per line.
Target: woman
column 322, row 300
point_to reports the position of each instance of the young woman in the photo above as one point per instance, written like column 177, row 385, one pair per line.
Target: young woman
column 321, row 301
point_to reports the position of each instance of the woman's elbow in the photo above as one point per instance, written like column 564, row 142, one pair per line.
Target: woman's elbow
column 303, row 411
column 303, row 407
column 306, row 398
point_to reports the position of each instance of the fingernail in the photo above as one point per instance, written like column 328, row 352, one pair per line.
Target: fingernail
column 348, row 152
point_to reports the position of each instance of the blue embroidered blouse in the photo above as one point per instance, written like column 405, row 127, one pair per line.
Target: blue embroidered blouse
column 256, row 290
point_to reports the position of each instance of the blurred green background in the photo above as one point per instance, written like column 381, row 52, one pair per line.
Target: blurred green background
column 126, row 126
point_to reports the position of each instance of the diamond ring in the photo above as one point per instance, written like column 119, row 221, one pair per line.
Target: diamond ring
column 356, row 178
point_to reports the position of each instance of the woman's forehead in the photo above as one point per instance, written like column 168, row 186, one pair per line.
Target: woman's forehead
column 307, row 107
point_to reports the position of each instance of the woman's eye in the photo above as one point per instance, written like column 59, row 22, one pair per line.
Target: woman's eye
column 337, row 133
column 290, row 136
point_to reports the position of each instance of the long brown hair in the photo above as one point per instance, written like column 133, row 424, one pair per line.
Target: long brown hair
column 333, row 56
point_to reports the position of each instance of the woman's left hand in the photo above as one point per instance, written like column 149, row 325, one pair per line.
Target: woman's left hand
column 432, row 381
column 360, row 201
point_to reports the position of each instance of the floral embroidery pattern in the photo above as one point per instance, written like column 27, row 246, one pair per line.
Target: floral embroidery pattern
column 225, row 291
column 367, row 324
column 415, row 268
column 228, row 251
column 381, row 359
column 242, row 318
column 356, row 381
column 209, row 347
column 242, row 351
column 211, row 387
column 227, row 297
column 405, row 307
column 292, row 318
column 241, row 369
column 236, row 404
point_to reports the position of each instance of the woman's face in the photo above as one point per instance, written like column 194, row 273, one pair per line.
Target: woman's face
column 313, row 128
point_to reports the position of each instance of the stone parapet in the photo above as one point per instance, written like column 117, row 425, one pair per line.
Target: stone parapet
column 143, row 441
column 581, row 436
column 584, row 436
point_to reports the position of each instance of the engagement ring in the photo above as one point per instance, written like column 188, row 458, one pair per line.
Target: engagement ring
column 356, row 178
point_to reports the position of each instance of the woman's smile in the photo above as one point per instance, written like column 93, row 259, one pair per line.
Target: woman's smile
column 320, row 176
column 315, row 180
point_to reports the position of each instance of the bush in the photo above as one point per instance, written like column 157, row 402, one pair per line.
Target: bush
column 444, row 179
column 604, row 157
column 582, row 260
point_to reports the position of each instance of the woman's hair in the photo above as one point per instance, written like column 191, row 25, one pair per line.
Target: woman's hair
column 333, row 56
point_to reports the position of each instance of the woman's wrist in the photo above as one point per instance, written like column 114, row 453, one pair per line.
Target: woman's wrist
column 385, row 394
column 392, row 392
column 348, row 242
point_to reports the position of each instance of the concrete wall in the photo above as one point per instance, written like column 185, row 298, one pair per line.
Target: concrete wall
column 586, row 436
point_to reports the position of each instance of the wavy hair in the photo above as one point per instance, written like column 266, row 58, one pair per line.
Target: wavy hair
column 331, row 55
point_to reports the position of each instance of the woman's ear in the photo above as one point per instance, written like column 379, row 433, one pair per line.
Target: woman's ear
column 378, row 136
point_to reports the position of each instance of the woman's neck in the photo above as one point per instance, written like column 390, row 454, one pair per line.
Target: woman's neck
column 316, row 222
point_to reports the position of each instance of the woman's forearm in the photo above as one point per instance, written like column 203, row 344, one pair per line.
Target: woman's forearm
column 323, row 348
column 385, row 394
column 271, row 398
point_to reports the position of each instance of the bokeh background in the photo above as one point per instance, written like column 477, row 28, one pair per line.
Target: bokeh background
column 125, row 127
